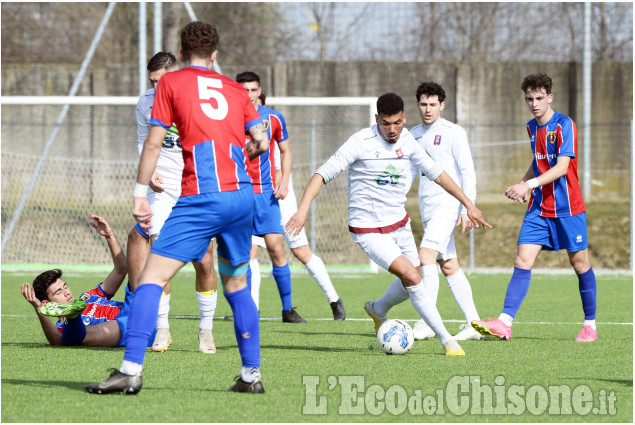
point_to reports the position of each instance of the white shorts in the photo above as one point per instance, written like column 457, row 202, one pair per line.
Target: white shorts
column 384, row 248
column 161, row 205
column 258, row 240
column 288, row 207
column 438, row 234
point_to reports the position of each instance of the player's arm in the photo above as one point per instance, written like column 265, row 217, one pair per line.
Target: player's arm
column 282, row 185
column 519, row 191
column 113, row 282
column 474, row 214
column 147, row 164
column 50, row 330
column 259, row 142
column 297, row 220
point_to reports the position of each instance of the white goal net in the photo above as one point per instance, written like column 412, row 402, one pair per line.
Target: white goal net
column 59, row 163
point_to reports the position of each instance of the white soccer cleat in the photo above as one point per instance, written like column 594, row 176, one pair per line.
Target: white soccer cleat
column 162, row 340
column 206, row 341
column 422, row 331
column 468, row 333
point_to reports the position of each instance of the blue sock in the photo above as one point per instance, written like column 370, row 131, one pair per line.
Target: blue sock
column 249, row 277
column 588, row 293
column 246, row 326
column 282, row 275
column 516, row 291
column 74, row 331
column 142, row 321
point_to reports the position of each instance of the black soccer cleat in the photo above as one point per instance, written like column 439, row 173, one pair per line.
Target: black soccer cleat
column 117, row 382
column 292, row 316
column 241, row 386
column 338, row 310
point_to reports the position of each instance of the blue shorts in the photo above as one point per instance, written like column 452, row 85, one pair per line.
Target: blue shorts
column 122, row 318
column 267, row 217
column 554, row 234
column 196, row 219
column 142, row 232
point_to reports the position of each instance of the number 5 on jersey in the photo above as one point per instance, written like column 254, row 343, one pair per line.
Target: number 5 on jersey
column 206, row 91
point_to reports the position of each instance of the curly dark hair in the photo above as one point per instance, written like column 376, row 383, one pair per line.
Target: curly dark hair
column 537, row 82
column 389, row 104
column 161, row 60
column 430, row 88
column 43, row 281
column 198, row 39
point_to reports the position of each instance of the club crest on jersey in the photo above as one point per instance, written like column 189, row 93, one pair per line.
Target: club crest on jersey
column 84, row 297
column 551, row 136
column 266, row 123
column 437, row 139
column 399, row 153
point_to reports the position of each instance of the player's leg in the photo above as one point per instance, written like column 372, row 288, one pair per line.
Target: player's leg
column 317, row 270
column 206, row 295
column 253, row 273
column 430, row 276
column 163, row 338
column 105, row 334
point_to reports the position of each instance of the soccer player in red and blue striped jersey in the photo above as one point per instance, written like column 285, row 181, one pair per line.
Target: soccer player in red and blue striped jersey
column 212, row 113
column 556, row 215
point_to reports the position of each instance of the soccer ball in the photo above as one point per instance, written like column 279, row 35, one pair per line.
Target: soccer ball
column 395, row 337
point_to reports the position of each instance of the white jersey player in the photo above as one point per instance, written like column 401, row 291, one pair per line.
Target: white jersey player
column 382, row 162
column 440, row 213
column 163, row 193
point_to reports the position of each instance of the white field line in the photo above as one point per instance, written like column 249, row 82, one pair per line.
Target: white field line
column 266, row 319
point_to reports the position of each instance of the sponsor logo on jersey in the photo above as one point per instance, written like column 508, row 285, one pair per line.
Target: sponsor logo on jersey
column 437, row 139
column 545, row 156
column 551, row 136
column 399, row 153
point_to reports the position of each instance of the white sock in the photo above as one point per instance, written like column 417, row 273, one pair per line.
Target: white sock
column 428, row 311
column 249, row 374
column 130, row 368
column 164, row 309
column 207, row 307
column 430, row 277
column 316, row 268
column 462, row 291
column 590, row 323
column 506, row 319
column 255, row 281
column 394, row 295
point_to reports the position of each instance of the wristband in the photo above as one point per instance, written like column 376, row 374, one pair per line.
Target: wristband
column 533, row 183
column 140, row 190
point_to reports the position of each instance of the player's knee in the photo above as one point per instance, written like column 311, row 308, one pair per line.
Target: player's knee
column 302, row 253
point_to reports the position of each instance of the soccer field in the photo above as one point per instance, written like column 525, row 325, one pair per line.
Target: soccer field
column 326, row 371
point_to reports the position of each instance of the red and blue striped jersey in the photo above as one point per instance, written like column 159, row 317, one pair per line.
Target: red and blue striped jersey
column 212, row 113
column 262, row 170
column 559, row 137
column 99, row 307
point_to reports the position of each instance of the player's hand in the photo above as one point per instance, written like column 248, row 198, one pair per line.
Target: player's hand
column 281, row 191
column 518, row 192
column 29, row 295
column 465, row 223
column 101, row 225
column 156, row 182
column 296, row 222
column 141, row 211
column 476, row 216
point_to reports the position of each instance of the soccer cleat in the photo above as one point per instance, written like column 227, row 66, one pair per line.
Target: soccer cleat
column 292, row 316
column 371, row 312
column 422, row 331
column 587, row 334
column 117, row 382
column 206, row 341
column 338, row 310
column 229, row 318
column 70, row 310
column 468, row 333
column 493, row 327
column 162, row 340
column 241, row 386
column 453, row 349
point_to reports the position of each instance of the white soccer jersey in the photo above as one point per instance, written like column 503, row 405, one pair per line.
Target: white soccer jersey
column 447, row 144
column 170, row 162
column 380, row 175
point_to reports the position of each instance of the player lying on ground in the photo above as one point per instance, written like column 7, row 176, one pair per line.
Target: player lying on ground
column 94, row 319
